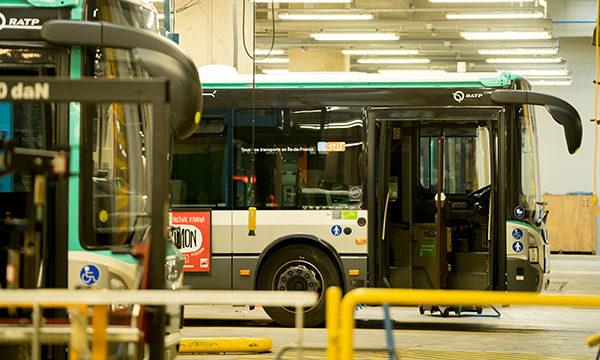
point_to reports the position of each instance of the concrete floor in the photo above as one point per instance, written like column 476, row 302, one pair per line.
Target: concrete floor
column 520, row 333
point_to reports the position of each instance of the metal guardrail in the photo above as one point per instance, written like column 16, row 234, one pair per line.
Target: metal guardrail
column 340, row 311
column 77, row 301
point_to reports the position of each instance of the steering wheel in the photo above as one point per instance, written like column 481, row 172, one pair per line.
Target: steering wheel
column 480, row 192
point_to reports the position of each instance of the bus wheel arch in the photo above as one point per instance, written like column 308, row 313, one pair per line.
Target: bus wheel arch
column 309, row 258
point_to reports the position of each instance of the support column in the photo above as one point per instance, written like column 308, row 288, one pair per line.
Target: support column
column 316, row 59
column 207, row 33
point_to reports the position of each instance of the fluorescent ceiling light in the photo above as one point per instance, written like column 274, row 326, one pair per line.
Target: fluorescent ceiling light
column 275, row 71
column 491, row 15
column 506, row 35
column 535, row 72
column 266, row 52
column 303, row 1
column 354, row 36
column 271, row 60
column 479, row 1
column 380, row 52
column 288, row 16
column 393, row 61
column 524, row 60
column 551, row 82
column 538, row 51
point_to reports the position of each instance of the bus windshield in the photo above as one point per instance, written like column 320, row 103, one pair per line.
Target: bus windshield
column 120, row 145
column 466, row 160
column 529, row 193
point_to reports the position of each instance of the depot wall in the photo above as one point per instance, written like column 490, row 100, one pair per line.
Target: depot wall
column 562, row 173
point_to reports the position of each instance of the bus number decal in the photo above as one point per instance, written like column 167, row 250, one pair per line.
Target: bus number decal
column 37, row 91
column 191, row 233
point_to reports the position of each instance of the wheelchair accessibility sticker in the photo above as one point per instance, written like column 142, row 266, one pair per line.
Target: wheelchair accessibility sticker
column 517, row 246
column 89, row 274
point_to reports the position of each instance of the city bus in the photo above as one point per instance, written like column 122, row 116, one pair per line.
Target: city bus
column 94, row 230
column 366, row 180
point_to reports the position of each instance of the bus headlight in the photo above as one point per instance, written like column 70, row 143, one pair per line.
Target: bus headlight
column 173, row 272
column 116, row 283
column 534, row 255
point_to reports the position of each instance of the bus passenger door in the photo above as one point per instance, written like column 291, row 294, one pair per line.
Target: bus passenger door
column 200, row 201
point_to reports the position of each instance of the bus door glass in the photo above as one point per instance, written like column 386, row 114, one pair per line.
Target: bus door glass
column 462, row 218
column 28, row 125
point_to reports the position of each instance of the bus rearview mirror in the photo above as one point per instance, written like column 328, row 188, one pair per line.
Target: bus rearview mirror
column 561, row 111
column 160, row 56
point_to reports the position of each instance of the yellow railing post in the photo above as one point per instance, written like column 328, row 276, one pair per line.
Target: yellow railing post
column 99, row 324
column 333, row 296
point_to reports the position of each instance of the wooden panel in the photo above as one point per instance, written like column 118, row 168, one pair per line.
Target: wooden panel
column 571, row 223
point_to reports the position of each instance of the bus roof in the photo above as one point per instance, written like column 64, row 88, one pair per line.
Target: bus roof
column 215, row 80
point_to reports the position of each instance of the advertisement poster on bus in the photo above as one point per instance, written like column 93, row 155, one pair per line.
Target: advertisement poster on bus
column 191, row 233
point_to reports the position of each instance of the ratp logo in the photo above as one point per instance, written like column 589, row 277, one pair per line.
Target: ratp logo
column 19, row 23
column 460, row 96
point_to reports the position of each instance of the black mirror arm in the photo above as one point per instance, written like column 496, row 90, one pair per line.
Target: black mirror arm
column 562, row 112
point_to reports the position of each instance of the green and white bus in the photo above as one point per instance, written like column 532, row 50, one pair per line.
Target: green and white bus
column 346, row 176
column 92, row 221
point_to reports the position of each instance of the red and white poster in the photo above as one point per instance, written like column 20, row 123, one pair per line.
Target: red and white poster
column 192, row 235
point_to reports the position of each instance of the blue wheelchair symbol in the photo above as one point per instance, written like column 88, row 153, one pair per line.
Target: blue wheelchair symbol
column 89, row 274
column 517, row 246
column 336, row 230
column 517, row 234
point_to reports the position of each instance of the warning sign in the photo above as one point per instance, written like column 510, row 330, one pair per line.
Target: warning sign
column 191, row 233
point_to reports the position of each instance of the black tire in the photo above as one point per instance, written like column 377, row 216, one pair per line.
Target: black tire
column 320, row 268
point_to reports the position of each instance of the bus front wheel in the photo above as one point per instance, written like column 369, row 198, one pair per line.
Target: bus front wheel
column 299, row 268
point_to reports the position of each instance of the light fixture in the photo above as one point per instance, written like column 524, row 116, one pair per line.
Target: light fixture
column 274, row 60
column 393, row 61
column 479, row 1
column 492, row 15
column 506, row 35
column 354, row 36
column 302, row 1
column 524, row 60
column 266, row 52
column 538, row 51
column 380, row 52
column 288, row 16
column 540, row 72
column 551, row 82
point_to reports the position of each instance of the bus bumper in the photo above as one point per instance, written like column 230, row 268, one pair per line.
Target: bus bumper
column 525, row 276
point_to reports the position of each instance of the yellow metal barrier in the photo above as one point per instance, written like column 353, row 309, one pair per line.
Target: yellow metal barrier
column 342, row 338
column 333, row 296
column 225, row 345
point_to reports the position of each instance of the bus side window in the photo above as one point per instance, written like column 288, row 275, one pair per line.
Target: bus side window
column 302, row 158
column 200, row 165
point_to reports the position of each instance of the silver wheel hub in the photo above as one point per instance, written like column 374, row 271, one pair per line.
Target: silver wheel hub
column 298, row 278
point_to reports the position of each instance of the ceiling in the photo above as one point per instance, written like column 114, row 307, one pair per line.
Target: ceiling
column 431, row 31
